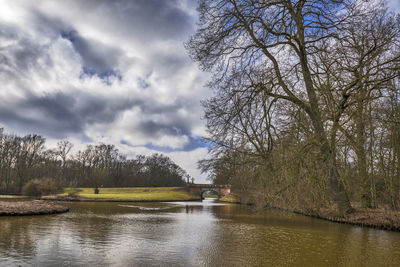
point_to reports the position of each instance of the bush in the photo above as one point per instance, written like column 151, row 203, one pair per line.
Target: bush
column 40, row 187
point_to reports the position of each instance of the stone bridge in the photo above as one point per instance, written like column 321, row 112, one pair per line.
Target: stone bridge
column 200, row 189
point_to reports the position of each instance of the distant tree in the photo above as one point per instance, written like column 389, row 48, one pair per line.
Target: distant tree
column 64, row 147
column 24, row 158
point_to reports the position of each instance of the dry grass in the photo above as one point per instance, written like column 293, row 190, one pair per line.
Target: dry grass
column 382, row 217
column 35, row 207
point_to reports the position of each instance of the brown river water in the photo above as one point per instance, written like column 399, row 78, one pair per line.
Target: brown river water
column 189, row 234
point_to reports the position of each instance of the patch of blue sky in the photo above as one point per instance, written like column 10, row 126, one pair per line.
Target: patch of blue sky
column 194, row 143
column 107, row 76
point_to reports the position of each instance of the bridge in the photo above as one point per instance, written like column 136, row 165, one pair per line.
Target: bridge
column 200, row 189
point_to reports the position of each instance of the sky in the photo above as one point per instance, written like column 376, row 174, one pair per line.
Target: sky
column 104, row 71
column 394, row 4
column 116, row 72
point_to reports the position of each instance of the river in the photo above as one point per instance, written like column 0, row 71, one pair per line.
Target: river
column 204, row 233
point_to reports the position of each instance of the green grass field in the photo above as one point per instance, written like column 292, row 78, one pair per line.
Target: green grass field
column 133, row 193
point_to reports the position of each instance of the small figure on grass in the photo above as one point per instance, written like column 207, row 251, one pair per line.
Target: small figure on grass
column 96, row 190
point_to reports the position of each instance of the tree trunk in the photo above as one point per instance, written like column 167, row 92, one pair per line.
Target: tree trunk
column 371, row 160
column 336, row 185
column 328, row 154
column 364, row 182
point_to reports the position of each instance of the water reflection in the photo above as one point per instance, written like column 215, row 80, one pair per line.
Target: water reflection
column 189, row 234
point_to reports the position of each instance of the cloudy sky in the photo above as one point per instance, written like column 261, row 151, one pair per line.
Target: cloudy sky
column 104, row 71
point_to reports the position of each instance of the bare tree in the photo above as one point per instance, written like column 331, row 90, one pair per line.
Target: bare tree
column 64, row 147
column 295, row 52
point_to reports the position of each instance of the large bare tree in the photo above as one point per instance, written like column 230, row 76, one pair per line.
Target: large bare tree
column 307, row 54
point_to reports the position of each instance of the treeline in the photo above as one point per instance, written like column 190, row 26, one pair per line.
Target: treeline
column 25, row 158
column 306, row 110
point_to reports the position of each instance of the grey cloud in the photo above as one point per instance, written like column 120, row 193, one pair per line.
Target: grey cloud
column 149, row 19
column 174, row 126
column 59, row 115
column 172, row 62
column 48, row 25
column 24, row 54
column 144, row 20
column 97, row 57
column 45, row 124
column 156, row 129
column 28, row 53
column 63, row 114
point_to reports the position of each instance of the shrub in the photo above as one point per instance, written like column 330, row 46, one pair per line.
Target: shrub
column 40, row 187
column 30, row 189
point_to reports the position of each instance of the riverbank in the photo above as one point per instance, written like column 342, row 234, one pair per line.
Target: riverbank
column 380, row 218
column 125, row 194
column 33, row 207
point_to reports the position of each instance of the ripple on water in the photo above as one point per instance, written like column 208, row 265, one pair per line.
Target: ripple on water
column 189, row 234
column 147, row 208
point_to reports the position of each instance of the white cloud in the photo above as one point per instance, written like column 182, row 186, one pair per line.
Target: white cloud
column 103, row 71
column 188, row 161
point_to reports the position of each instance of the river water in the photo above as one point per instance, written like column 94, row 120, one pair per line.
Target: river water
column 189, row 234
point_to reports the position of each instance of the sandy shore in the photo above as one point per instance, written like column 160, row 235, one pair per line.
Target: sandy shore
column 34, row 207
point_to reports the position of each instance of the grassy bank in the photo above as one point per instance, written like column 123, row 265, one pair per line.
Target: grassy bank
column 231, row 198
column 126, row 194
column 35, row 207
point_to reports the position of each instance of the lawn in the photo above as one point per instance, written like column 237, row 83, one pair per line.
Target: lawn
column 133, row 193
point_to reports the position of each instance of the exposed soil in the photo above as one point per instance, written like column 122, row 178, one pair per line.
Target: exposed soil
column 381, row 218
column 34, row 207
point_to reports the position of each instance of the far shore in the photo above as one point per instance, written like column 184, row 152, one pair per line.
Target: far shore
column 82, row 199
column 125, row 194
column 379, row 218
column 17, row 205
